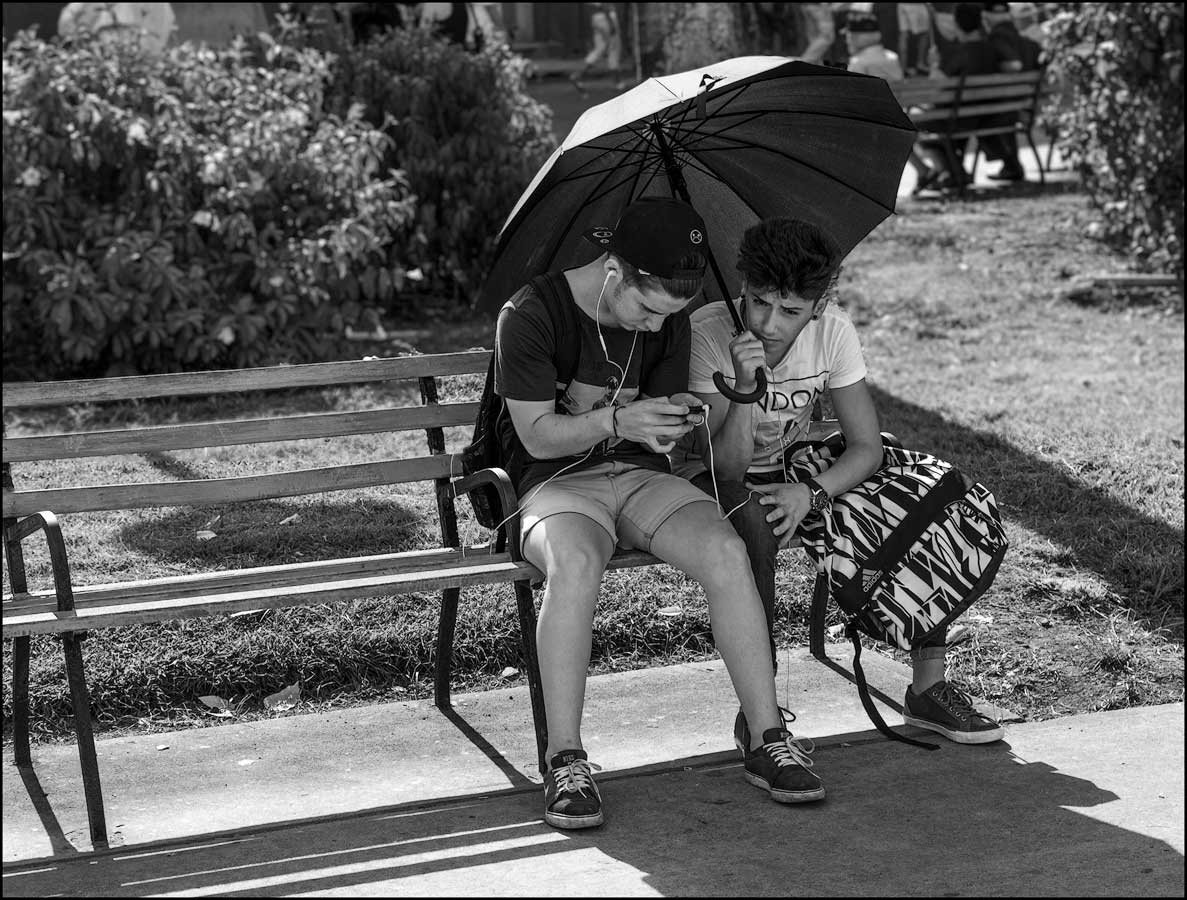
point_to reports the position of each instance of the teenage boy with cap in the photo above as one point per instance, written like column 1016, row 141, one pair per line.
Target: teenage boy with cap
column 597, row 475
column 805, row 345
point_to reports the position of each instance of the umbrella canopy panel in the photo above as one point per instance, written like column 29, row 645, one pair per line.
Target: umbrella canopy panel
column 791, row 139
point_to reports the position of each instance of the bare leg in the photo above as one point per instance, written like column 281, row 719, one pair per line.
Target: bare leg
column 572, row 550
column 699, row 543
column 928, row 665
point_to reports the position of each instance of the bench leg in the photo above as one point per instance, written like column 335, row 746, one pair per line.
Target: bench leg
column 20, row 701
column 1038, row 158
column 816, row 622
column 527, row 630
column 71, row 643
column 446, row 627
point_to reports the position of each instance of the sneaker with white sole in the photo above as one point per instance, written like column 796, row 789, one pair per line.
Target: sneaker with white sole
column 781, row 766
column 571, row 799
column 742, row 730
column 947, row 710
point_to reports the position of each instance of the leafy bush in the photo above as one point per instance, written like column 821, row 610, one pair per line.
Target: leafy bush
column 464, row 130
column 1121, row 65
column 193, row 211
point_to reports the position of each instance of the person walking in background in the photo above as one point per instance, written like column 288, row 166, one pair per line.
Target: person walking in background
column 818, row 26
column 914, row 37
column 607, row 43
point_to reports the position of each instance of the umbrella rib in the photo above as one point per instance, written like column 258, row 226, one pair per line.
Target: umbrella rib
column 795, row 159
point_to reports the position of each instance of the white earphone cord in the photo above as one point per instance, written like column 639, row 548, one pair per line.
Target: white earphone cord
column 613, row 402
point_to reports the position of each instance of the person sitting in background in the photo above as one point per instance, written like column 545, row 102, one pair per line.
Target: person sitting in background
column 1014, row 53
column 867, row 54
column 971, row 55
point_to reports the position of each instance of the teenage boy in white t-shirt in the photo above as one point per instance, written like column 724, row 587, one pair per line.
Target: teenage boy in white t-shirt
column 804, row 346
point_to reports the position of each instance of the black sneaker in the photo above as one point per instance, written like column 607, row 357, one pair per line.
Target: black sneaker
column 742, row 730
column 571, row 799
column 947, row 710
column 780, row 766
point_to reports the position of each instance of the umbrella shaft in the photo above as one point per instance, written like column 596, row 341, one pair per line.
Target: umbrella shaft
column 680, row 190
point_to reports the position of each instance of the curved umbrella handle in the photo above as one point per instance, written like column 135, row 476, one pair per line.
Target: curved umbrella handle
column 760, row 378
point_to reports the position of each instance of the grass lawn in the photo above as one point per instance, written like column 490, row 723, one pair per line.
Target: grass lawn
column 1071, row 412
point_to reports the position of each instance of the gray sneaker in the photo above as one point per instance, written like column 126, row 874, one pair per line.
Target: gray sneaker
column 947, row 710
column 571, row 799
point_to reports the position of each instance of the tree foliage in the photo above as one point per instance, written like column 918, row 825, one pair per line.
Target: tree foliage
column 1121, row 122
column 193, row 211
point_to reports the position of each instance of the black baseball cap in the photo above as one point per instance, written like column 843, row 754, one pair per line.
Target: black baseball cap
column 654, row 235
column 861, row 21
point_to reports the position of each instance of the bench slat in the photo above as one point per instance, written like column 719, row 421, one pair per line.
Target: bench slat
column 245, row 431
column 229, row 490
column 263, row 576
column 66, row 393
column 37, row 613
column 17, row 624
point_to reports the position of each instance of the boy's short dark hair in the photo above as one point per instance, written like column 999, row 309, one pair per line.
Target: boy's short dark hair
column 684, row 288
column 967, row 16
column 790, row 256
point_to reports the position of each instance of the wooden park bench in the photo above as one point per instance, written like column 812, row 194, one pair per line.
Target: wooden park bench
column 69, row 610
column 951, row 109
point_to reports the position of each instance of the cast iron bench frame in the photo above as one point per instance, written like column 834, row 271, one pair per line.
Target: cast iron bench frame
column 70, row 610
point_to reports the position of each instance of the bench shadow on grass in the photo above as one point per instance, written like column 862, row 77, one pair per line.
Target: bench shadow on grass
column 329, row 531
column 1011, row 827
column 1015, row 472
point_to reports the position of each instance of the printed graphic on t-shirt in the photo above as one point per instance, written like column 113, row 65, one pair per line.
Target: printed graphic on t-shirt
column 598, row 381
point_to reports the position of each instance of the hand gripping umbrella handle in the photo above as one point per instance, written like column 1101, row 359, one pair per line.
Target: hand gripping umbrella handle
column 760, row 378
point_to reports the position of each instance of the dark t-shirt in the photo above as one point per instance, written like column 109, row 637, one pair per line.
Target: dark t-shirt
column 525, row 369
column 1008, row 44
column 970, row 58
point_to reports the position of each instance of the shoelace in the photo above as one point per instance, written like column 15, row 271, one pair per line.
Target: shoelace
column 576, row 776
column 791, row 751
column 953, row 698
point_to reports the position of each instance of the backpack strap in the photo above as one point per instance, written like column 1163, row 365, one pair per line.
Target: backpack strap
column 863, row 691
column 565, row 325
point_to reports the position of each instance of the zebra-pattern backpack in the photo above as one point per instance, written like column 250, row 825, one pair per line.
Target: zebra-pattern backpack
column 906, row 551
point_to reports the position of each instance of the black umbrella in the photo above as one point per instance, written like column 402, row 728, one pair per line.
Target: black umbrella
column 741, row 140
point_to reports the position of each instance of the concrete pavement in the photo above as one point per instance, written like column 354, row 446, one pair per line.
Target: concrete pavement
column 401, row 799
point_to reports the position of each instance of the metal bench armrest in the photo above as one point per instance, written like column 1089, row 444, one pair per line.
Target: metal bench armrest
column 508, row 502
column 47, row 522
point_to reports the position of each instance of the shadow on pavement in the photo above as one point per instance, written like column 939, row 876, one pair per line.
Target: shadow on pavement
column 975, row 820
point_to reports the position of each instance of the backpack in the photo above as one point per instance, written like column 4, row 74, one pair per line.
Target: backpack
column 485, row 450
column 906, row 551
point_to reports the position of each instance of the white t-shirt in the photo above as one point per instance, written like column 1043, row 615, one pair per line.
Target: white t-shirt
column 826, row 354
column 877, row 60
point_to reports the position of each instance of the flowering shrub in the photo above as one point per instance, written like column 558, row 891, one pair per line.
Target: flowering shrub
column 1121, row 65
column 463, row 129
column 193, row 211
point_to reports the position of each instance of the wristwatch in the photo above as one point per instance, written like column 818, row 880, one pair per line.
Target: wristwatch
column 820, row 498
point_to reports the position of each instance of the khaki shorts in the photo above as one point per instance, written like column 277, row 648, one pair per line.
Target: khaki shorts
column 629, row 502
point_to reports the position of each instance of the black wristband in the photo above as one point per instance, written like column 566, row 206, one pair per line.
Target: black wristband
column 614, row 420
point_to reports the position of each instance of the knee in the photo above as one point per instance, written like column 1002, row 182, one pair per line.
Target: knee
column 575, row 565
column 750, row 521
column 726, row 555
